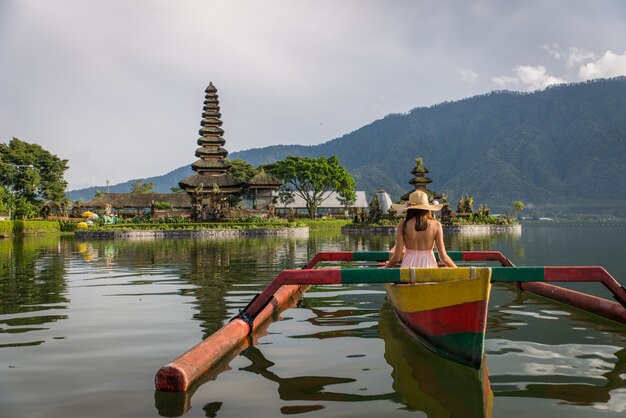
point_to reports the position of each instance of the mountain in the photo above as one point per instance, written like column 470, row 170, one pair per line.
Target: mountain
column 563, row 148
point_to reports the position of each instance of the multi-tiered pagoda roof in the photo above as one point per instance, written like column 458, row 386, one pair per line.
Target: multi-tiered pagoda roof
column 211, row 167
column 419, row 180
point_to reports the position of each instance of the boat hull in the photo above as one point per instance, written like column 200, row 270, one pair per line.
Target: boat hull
column 446, row 310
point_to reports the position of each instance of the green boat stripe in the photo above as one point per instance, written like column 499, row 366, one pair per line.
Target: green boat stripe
column 517, row 274
column 499, row 274
column 367, row 275
column 463, row 347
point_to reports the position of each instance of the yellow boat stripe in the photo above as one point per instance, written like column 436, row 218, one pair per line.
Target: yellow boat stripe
column 440, row 293
column 436, row 274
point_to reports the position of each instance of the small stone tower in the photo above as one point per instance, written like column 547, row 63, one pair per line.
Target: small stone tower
column 419, row 181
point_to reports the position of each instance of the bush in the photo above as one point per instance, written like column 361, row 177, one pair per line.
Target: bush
column 39, row 227
column 161, row 206
column 158, row 226
column 381, row 222
column 325, row 224
column 476, row 219
column 6, row 228
column 19, row 227
column 68, row 226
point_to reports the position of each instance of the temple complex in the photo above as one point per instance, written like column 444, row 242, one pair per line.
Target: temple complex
column 212, row 186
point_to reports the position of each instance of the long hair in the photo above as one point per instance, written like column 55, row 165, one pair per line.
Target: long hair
column 421, row 219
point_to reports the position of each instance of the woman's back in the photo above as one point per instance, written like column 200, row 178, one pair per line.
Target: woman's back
column 419, row 234
column 420, row 240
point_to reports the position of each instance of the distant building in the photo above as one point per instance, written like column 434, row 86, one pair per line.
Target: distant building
column 330, row 206
column 385, row 201
column 262, row 187
column 132, row 204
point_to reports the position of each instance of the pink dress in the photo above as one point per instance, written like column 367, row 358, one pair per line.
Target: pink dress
column 418, row 258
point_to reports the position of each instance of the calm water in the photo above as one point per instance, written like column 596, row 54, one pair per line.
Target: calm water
column 85, row 326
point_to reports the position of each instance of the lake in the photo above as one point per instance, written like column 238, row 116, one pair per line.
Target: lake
column 84, row 326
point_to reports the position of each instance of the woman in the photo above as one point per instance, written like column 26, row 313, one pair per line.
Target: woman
column 418, row 233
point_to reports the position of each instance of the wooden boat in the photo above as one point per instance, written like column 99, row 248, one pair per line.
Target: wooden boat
column 446, row 310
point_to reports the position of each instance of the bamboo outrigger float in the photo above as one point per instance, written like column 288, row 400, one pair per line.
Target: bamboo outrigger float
column 446, row 309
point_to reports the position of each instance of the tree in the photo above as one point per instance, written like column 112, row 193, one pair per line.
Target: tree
column 142, row 188
column 516, row 208
column 465, row 204
column 346, row 200
column 375, row 210
column 313, row 179
column 241, row 169
column 285, row 196
column 29, row 175
column 347, row 197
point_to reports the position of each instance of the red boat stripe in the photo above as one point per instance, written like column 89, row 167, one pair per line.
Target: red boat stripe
column 466, row 317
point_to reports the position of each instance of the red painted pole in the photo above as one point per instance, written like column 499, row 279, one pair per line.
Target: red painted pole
column 329, row 256
column 178, row 375
column 593, row 304
column 487, row 256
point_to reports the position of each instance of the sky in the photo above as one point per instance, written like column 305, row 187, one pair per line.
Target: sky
column 116, row 86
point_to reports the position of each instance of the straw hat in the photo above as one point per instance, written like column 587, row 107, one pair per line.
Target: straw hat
column 417, row 200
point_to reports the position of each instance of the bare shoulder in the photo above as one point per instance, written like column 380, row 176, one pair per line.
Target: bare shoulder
column 435, row 224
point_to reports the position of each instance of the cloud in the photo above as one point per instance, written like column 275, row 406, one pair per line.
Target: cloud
column 553, row 50
column 578, row 56
column 529, row 77
column 467, row 75
column 610, row 65
column 505, row 81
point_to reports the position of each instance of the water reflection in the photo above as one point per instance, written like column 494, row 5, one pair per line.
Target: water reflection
column 422, row 381
column 472, row 242
column 103, row 316
column 33, row 288
column 220, row 275
column 305, row 388
column 428, row 382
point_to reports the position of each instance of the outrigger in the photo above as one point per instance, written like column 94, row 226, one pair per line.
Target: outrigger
column 444, row 308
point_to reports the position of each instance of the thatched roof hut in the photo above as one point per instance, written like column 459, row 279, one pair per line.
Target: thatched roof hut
column 138, row 200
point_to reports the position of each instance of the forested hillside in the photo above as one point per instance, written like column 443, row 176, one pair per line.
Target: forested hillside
column 563, row 148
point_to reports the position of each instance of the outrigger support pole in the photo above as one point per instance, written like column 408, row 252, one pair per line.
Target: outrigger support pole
column 284, row 290
column 530, row 279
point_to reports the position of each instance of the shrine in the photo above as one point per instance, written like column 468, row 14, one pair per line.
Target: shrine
column 211, row 186
column 421, row 182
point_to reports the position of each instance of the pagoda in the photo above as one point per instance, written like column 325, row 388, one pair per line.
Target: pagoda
column 419, row 181
column 210, row 187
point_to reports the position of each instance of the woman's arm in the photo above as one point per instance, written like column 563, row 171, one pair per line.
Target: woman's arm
column 441, row 248
column 399, row 248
